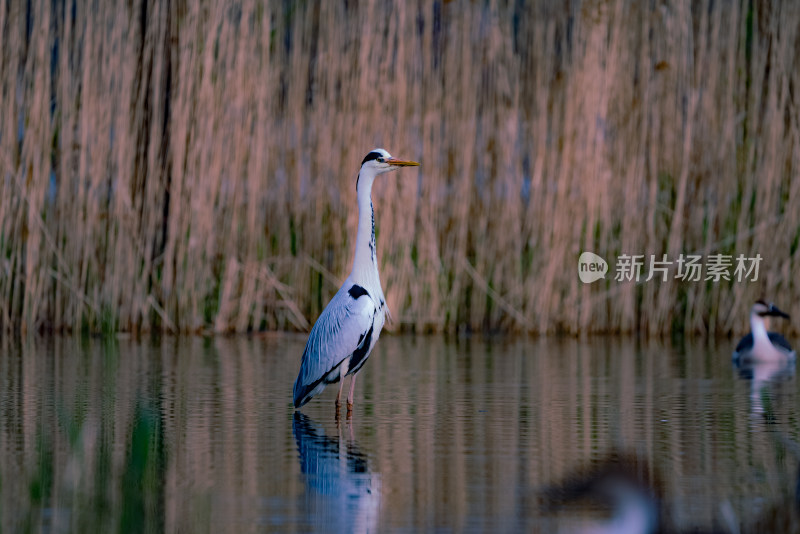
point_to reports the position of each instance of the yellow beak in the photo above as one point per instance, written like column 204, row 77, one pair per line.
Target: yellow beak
column 401, row 163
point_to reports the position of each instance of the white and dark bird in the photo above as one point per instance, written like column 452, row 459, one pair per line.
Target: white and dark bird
column 760, row 345
column 348, row 328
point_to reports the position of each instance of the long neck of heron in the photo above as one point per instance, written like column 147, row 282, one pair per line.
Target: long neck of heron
column 365, row 263
column 757, row 327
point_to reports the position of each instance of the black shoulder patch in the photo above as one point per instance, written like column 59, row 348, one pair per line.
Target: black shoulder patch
column 372, row 155
column 357, row 291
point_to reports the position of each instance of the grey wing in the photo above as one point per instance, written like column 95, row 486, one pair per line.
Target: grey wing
column 340, row 329
column 779, row 341
column 745, row 344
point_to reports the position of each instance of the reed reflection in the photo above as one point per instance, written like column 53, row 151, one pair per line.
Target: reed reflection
column 337, row 477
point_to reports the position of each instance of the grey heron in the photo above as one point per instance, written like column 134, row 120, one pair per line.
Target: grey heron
column 348, row 328
column 760, row 345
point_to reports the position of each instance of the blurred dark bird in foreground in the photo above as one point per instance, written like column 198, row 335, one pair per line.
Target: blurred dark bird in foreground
column 622, row 494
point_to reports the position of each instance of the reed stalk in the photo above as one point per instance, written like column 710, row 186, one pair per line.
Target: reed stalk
column 191, row 166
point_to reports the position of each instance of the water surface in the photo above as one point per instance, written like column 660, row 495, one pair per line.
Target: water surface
column 458, row 435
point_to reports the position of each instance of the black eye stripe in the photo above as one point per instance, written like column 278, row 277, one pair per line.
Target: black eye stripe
column 371, row 156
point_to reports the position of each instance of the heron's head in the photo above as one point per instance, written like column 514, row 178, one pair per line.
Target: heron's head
column 767, row 309
column 379, row 161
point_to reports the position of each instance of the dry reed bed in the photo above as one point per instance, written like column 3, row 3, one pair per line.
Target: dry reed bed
column 192, row 167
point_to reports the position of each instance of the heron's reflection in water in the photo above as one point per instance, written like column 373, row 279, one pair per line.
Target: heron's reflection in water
column 763, row 376
column 343, row 495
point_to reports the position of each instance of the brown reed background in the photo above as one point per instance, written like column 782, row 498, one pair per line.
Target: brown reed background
column 191, row 166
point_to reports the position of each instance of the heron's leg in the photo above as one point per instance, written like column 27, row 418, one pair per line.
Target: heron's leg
column 351, row 394
column 339, row 395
